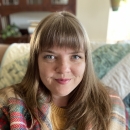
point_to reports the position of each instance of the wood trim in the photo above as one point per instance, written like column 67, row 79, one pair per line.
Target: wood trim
column 0, row 24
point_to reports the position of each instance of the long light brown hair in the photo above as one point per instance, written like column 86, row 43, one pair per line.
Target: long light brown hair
column 89, row 104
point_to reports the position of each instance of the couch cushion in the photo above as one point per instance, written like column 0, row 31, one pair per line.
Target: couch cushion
column 112, row 66
column 14, row 64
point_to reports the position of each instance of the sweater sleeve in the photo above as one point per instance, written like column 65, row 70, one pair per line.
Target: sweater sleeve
column 118, row 114
column 4, row 123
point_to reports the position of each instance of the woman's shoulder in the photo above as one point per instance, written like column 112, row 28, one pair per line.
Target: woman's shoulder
column 111, row 91
column 6, row 94
column 8, row 91
column 115, row 97
column 118, row 117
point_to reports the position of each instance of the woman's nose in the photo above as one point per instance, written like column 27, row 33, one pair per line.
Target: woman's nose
column 63, row 67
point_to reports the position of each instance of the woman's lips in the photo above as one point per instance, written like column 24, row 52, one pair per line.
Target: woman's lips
column 62, row 81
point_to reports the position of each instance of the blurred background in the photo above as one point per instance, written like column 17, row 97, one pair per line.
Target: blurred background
column 103, row 22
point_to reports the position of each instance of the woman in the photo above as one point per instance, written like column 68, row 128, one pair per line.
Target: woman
column 60, row 90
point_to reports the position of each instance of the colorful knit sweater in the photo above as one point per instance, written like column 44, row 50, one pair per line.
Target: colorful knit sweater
column 14, row 114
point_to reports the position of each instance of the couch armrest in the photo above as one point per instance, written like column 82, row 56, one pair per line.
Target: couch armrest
column 3, row 48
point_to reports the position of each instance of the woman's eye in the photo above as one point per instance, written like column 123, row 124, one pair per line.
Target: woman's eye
column 50, row 57
column 76, row 57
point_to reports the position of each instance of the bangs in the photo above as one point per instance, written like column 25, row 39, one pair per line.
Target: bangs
column 62, row 33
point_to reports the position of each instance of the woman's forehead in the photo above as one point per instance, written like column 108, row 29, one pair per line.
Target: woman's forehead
column 55, row 47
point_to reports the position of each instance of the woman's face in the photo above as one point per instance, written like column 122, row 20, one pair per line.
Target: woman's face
column 61, row 69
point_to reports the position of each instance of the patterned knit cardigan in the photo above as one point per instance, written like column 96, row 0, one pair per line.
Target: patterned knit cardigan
column 15, row 116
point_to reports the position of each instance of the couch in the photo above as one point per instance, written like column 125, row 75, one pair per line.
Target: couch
column 111, row 64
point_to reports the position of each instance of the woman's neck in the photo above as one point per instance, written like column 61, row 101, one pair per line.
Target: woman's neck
column 60, row 101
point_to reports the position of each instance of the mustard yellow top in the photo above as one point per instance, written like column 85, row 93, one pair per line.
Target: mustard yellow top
column 57, row 117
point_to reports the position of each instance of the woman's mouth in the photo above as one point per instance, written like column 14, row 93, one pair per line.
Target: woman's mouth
column 62, row 81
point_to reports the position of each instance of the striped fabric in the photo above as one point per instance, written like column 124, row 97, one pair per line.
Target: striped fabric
column 118, row 115
column 15, row 116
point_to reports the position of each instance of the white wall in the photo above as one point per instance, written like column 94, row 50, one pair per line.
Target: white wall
column 119, row 23
column 93, row 14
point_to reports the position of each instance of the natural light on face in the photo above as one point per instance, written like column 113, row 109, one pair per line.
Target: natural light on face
column 61, row 69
